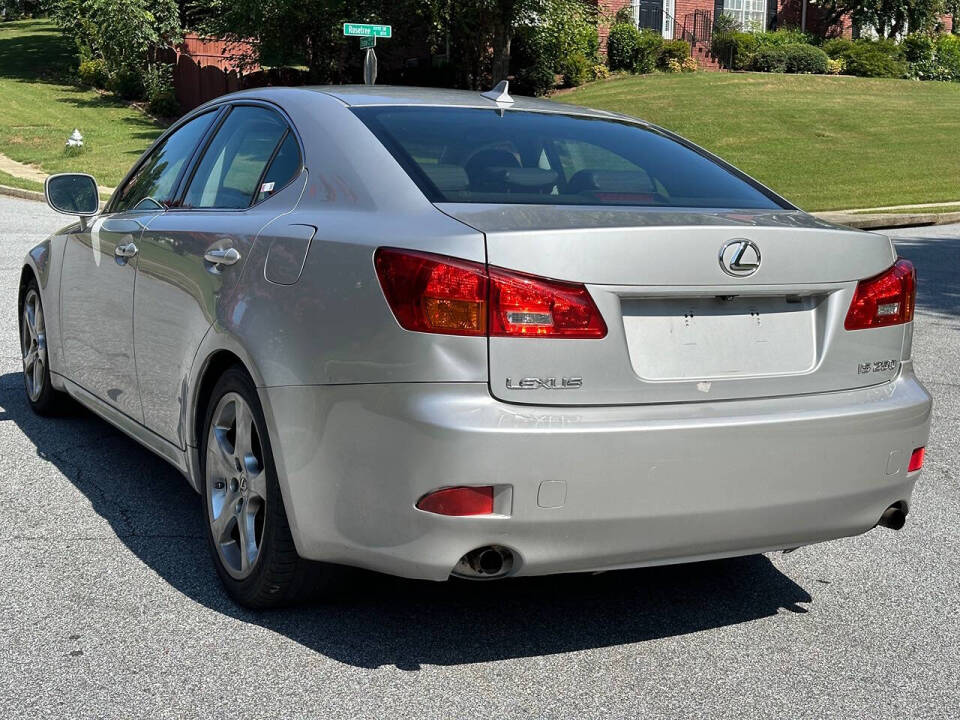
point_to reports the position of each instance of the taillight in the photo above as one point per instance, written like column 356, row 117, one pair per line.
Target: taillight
column 430, row 293
column 458, row 501
column 438, row 294
column 524, row 305
column 887, row 299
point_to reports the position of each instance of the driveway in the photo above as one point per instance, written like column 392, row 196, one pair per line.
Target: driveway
column 111, row 608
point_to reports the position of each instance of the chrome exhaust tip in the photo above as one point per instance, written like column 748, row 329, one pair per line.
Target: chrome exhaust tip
column 485, row 563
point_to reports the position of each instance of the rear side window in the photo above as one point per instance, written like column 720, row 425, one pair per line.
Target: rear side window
column 485, row 156
column 284, row 167
column 230, row 174
column 154, row 182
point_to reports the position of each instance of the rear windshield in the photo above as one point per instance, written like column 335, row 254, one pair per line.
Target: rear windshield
column 469, row 155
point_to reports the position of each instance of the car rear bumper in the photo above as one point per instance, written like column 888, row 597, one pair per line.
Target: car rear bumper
column 639, row 485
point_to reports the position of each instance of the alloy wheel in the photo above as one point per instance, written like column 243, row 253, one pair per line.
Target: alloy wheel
column 236, row 485
column 33, row 344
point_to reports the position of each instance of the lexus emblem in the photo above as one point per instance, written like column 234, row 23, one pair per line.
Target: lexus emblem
column 739, row 257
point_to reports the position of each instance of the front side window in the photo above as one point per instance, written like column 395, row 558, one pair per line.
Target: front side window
column 230, row 175
column 155, row 181
column 519, row 157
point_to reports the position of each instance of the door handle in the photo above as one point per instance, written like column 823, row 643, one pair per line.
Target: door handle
column 222, row 256
column 127, row 251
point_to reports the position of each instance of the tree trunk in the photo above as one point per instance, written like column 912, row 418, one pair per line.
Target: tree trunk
column 502, row 37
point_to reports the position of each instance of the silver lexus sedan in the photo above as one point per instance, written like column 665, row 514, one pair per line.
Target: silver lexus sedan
column 438, row 333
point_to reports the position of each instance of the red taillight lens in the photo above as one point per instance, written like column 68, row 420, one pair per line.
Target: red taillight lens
column 524, row 305
column 916, row 459
column 458, row 501
column 886, row 299
column 430, row 293
column 438, row 294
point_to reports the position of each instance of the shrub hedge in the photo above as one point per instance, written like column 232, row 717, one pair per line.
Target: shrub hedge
column 771, row 58
column 678, row 50
column 802, row 58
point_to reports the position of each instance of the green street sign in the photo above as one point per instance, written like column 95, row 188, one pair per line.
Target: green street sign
column 361, row 30
column 368, row 42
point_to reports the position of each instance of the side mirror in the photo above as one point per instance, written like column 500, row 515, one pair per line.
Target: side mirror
column 72, row 194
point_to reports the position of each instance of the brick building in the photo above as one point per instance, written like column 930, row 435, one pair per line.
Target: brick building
column 692, row 20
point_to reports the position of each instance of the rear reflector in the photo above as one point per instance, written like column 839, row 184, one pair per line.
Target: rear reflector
column 439, row 294
column 458, row 501
column 916, row 459
column 886, row 299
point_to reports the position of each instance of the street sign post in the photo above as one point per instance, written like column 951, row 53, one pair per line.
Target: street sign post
column 368, row 35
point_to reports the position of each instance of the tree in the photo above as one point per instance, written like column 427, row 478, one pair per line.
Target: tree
column 890, row 18
column 309, row 32
column 124, row 33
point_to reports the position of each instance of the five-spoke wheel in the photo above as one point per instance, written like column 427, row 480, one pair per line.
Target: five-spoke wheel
column 244, row 516
column 236, row 485
column 33, row 344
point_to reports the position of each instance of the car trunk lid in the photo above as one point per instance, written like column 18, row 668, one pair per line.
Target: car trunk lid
column 686, row 322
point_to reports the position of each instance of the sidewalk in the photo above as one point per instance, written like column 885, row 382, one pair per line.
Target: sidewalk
column 31, row 174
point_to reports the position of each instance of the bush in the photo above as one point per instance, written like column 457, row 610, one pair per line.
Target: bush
column 576, row 70
column 673, row 66
column 678, row 50
column 622, row 44
column 624, row 15
column 734, row 50
column 649, row 48
column 838, row 48
column 947, row 53
column 786, row 36
column 918, row 48
column 536, row 79
column 835, row 67
column 802, row 58
column 879, row 58
column 771, row 58
column 158, row 87
column 93, row 73
column 690, row 65
column 636, row 51
column 126, row 83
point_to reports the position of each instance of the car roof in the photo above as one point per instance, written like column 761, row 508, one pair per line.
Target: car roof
column 379, row 95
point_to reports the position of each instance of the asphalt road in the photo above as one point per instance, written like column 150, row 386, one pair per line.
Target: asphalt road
column 111, row 609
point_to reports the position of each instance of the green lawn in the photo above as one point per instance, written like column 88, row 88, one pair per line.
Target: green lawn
column 39, row 108
column 823, row 142
column 11, row 181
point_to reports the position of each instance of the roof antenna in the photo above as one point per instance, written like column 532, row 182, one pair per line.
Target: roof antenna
column 500, row 94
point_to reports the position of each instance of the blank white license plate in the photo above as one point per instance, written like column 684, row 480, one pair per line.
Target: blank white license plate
column 704, row 338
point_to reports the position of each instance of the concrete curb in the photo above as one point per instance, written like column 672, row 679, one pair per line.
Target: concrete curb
column 887, row 221
column 21, row 193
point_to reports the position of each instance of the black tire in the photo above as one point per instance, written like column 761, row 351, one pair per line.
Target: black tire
column 49, row 401
column 279, row 576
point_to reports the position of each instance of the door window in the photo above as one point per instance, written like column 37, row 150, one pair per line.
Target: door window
column 230, row 175
column 155, row 181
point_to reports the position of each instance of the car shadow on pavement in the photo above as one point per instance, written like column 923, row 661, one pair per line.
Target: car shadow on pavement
column 389, row 621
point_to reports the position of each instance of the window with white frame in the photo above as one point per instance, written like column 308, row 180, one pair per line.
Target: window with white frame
column 750, row 14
